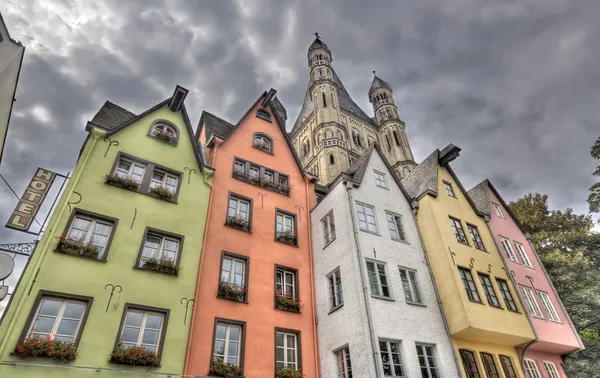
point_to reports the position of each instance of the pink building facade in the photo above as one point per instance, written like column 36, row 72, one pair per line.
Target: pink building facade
column 555, row 333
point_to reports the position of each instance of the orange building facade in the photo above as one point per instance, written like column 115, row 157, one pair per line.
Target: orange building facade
column 254, row 303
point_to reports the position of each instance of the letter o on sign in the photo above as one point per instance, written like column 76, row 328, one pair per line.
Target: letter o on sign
column 39, row 185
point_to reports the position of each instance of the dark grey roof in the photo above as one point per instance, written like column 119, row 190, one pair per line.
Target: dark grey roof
column 280, row 109
column 215, row 125
column 424, row 178
column 345, row 102
column 357, row 170
column 480, row 196
column 111, row 115
column 378, row 83
column 317, row 44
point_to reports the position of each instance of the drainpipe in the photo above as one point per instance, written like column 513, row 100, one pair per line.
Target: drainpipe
column 96, row 134
column 415, row 210
column 312, row 284
column 348, row 186
column 196, row 299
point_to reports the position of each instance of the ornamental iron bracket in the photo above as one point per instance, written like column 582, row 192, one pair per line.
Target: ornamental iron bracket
column 23, row 249
column 300, row 210
column 189, row 171
column 471, row 262
column 489, row 268
column 111, row 293
column 76, row 202
column 262, row 199
column 452, row 254
column 186, row 302
column 110, row 144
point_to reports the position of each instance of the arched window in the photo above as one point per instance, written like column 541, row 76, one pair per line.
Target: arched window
column 359, row 140
column 305, row 148
column 387, row 141
column 263, row 142
column 263, row 114
column 165, row 131
column 370, row 141
column 331, row 159
column 324, row 99
column 396, row 138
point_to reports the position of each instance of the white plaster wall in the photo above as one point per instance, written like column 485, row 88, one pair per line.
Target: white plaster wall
column 10, row 58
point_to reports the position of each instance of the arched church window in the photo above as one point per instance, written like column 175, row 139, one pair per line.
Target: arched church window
column 331, row 159
column 165, row 131
column 387, row 141
column 396, row 138
column 324, row 99
column 263, row 114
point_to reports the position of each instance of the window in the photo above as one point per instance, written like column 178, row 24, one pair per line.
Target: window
column 394, row 222
column 164, row 180
column 489, row 365
column 263, row 114
column 469, row 284
column 395, row 135
column 285, row 282
column 233, row 282
column 305, row 148
column 381, row 180
column 531, row 370
column 343, row 362
column 551, row 369
column 412, row 292
column 387, row 141
column 523, row 255
column 507, row 366
column 498, row 210
column 476, row 237
column 228, row 342
column 449, row 190
column 534, row 309
column 143, row 327
column 331, row 159
column 130, row 170
column 488, row 289
column 459, row 232
column 469, row 363
column 239, row 213
column 334, row 283
column 548, row 306
column 324, row 99
column 507, row 295
column 366, row 217
column 285, row 227
column 160, row 246
column 261, row 176
column 89, row 228
column 328, row 228
column 164, row 131
column 391, row 358
column 427, row 361
column 263, row 142
column 508, row 249
column 239, row 167
column 286, row 349
column 59, row 316
column 378, row 279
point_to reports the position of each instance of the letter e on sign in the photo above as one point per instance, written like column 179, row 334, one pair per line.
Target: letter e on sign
column 29, row 204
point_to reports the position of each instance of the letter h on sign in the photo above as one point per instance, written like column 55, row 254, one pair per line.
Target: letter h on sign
column 29, row 204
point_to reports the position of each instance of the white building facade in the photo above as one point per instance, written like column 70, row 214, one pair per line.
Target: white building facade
column 377, row 308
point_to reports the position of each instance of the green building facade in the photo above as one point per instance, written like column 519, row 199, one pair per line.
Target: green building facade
column 132, row 219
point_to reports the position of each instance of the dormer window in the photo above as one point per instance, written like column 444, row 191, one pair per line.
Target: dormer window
column 164, row 131
column 263, row 114
column 263, row 142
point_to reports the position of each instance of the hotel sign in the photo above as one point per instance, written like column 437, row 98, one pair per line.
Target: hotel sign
column 31, row 201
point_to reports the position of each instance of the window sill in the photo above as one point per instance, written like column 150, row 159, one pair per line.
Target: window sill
column 556, row 321
column 287, row 310
column 140, row 366
column 260, row 149
column 383, row 187
column 401, row 241
column 482, row 250
column 176, row 274
column 287, row 243
column 238, row 228
column 81, row 256
column 245, row 301
column 539, row 317
column 514, row 312
column 476, row 302
column 165, row 141
column 370, row 232
column 416, row 304
column 463, row 243
column 497, row 307
column 146, row 194
column 335, row 309
column 326, row 245
column 390, row 299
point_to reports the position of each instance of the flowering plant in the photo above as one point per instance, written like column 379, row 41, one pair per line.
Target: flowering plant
column 136, row 355
column 122, row 182
column 47, row 347
column 238, row 222
column 287, row 236
column 223, row 369
column 231, row 291
column 76, row 247
column 287, row 302
column 162, row 265
column 288, row 372
column 162, row 193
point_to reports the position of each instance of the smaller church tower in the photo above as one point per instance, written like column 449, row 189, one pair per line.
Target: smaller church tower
column 392, row 132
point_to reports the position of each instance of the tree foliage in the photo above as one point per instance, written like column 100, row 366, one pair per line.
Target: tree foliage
column 570, row 252
column 594, row 197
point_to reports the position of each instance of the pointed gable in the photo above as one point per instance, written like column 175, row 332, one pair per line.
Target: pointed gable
column 480, row 196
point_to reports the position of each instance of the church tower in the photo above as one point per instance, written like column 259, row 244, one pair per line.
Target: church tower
column 332, row 131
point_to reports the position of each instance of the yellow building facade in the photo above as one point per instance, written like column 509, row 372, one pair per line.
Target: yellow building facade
column 485, row 316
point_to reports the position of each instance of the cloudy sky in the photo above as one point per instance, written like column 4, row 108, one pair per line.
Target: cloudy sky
column 515, row 84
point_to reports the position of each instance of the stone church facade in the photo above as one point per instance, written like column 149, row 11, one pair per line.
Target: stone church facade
column 332, row 131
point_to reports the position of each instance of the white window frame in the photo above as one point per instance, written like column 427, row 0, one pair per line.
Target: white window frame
column 393, row 225
column 548, row 306
column 161, row 247
column 226, row 340
column 498, row 210
column 283, row 284
column 388, row 351
column 166, row 128
column 376, row 265
column 344, row 364
column 259, row 138
column 328, row 227
column 508, row 249
column 449, row 189
column 238, row 206
column 381, row 179
column 132, row 164
column 523, row 254
column 57, row 318
column 551, row 369
column 232, row 272
column 361, row 208
column 413, row 287
column 534, row 308
column 163, row 183
column 90, row 232
column 335, row 289
column 530, row 369
column 143, row 328
column 423, row 349
column 285, row 348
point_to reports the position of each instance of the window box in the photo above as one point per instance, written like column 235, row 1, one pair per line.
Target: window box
column 287, row 237
column 262, row 145
column 165, row 136
column 122, row 182
column 167, row 266
column 251, row 178
column 232, row 292
column 47, row 347
column 223, row 369
column 288, row 372
column 162, row 193
column 238, row 222
column 136, row 356
column 75, row 247
column 287, row 302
